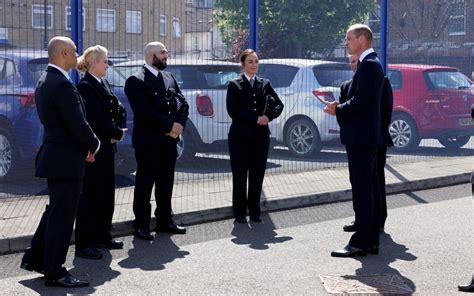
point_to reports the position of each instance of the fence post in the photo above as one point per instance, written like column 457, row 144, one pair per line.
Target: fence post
column 253, row 24
column 384, row 33
column 76, row 29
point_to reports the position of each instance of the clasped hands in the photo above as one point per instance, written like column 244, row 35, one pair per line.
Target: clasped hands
column 331, row 107
column 176, row 130
column 263, row 120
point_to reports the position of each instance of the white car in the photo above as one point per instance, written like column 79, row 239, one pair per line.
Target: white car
column 303, row 126
column 204, row 85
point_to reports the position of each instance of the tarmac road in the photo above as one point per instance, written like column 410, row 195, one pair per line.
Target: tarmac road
column 428, row 244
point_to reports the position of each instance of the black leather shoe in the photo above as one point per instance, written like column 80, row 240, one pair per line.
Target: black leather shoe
column 31, row 267
column 349, row 251
column 111, row 244
column 374, row 250
column 349, row 227
column 67, row 281
column 171, row 228
column 89, row 253
column 240, row 219
column 467, row 288
column 143, row 234
column 256, row 218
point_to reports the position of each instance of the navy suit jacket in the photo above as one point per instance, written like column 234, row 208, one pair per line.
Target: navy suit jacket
column 359, row 117
column 67, row 135
column 246, row 103
column 154, row 113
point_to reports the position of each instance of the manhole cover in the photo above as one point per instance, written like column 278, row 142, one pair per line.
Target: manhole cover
column 365, row 284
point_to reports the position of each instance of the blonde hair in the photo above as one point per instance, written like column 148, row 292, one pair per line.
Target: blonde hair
column 90, row 55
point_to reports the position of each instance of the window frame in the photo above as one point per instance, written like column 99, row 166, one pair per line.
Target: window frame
column 461, row 16
column 177, row 33
column 69, row 14
column 163, row 25
column 99, row 14
column 41, row 7
column 130, row 17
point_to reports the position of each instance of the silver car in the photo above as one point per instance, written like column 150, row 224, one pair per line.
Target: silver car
column 303, row 126
column 204, row 85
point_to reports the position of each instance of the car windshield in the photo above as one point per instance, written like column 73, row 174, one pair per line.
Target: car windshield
column 332, row 75
column 447, row 79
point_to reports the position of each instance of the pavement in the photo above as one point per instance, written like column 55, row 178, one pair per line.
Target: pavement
column 209, row 199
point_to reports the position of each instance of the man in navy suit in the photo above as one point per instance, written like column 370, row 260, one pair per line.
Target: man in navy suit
column 160, row 115
column 361, row 131
column 68, row 142
column 386, row 106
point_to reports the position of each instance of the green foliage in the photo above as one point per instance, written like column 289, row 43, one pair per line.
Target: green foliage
column 293, row 28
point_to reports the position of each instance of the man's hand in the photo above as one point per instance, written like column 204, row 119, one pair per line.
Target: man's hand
column 172, row 135
column 90, row 157
column 331, row 108
column 177, row 128
column 263, row 120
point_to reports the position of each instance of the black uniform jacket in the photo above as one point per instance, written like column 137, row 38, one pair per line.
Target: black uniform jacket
column 154, row 106
column 103, row 111
column 67, row 135
column 245, row 104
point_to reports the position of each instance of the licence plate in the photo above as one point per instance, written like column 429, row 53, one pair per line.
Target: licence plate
column 466, row 121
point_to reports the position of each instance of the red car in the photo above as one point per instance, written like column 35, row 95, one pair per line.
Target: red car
column 430, row 102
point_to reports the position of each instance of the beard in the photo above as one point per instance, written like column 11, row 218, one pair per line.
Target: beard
column 158, row 63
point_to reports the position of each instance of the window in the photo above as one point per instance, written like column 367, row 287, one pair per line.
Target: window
column 447, row 79
column 38, row 17
column 176, row 27
column 374, row 21
column 105, row 20
column 68, row 19
column 457, row 20
column 3, row 35
column 279, row 75
column 133, row 21
column 332, row 75
column 163, row 25
column 395, row 78
column 203, row 3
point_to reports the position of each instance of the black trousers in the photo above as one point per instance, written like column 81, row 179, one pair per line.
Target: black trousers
column 154, row 167
column 51, row 240
column 97, row 203
column 381, row 160
column 365, row 195
column 248, row 159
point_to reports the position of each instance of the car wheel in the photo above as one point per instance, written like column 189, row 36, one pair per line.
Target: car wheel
column 7, row 154
column 302, row 138
column 404, row 133
column 454, row 142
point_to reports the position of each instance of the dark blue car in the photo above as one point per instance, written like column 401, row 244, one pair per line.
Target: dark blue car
column 20, row 129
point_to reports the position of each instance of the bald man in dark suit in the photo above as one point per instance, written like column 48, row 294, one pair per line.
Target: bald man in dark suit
column 68, row 142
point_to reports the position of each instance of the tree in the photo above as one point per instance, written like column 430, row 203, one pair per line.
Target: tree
column 293, row 28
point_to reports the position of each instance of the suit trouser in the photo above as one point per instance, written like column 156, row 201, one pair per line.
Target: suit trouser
column 51, row 240
column 247, row 157
column 155, row 166
column 96, row 206
column 381, row 160
column 365, row 195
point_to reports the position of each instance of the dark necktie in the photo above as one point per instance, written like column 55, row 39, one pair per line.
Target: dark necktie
column 161, row 81
column 251, row 82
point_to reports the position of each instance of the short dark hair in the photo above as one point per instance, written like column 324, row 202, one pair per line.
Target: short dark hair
column 245, row 54
column 361, row 29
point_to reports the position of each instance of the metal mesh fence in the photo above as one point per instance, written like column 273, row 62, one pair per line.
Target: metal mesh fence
column 302, row 52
